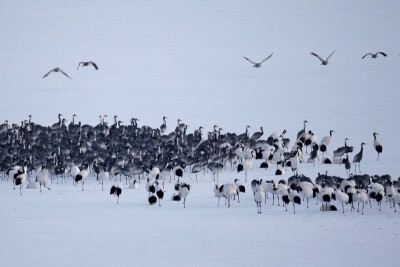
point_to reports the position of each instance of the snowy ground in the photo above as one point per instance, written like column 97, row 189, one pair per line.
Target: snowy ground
column 67, row 226
column 184, row 59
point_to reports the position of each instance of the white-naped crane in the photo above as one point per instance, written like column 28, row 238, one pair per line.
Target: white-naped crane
column 323, row 61
column 377, row 145
column 56, row 70
column 87, row 63
column 163, row 126
column 375, row 55
column 301, row 134
column 258, row 64
column 358, row 157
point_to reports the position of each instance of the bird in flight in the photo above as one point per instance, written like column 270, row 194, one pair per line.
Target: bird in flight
column 56, row 70
column 323, row 62
column 257, row 65
column 84, row 64
column 374, row 55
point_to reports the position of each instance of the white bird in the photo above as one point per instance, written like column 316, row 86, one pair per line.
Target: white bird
column 258, row 64
column 306, row 189
column 218, row 191
column 240, row 188
column 326, row 195
column 229, row 190
column 377, row 145
column 81, row 176
column 150, row 187
column 323, row 62
column 281, row 189
column 164, row 175
column 102, row 176
column 326, row 140
column 258, row 198
column 116, row 190
column 245, row 166
column 43, row 179
column 363, row 198
column 270, row 187
column 56, row 70
column 19, row 178
column 183, row 190
column 342, row 197
column 154, row 171
column 74, row 172
column 294, row 198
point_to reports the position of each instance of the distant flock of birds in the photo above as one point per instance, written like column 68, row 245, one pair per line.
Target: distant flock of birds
column 83, row 64
column 323, row 61
column 133, row 152
column 255, row 64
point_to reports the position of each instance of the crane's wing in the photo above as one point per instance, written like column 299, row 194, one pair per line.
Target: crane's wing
column 250, row 60
column 60, row 70
column 367, row 54
column 312, row 53
column 383, row 54
column 330, row 55
column 94, row 65
column 266, row 58
column 47, row 74
column 79, row 65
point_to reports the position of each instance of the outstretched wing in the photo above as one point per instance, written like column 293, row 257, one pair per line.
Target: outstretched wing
column 383, row 54
column 79, row 65
column 330, row 55
column 367, row 54
column 250, row 60
column 60, row 70
column 94, row 65
column 47, row 74
column 266, row 58
column 312, row 53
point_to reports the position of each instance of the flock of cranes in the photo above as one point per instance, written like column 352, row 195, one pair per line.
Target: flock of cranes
column 33, row 155
column 83, row 64
column 255, row 64
column 323, row 61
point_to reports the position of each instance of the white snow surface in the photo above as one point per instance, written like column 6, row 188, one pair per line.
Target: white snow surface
column 184, row 59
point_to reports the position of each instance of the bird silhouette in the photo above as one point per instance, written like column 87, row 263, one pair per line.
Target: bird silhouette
column 257, row 65
column 323, row 62
column 87, row 63
column 56, row 70
column 374, row 55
